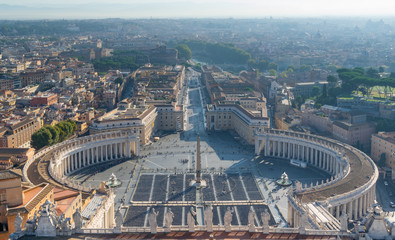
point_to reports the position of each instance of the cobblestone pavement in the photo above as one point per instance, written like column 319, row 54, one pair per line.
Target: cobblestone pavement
column 160, row 176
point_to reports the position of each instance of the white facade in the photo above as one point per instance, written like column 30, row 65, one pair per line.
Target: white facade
column 344, row 163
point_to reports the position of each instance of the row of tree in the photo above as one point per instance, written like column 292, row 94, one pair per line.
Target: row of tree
column 128, row 59
column 49, row 135
column 357, row 79
column 184, row 52
column 217, row 53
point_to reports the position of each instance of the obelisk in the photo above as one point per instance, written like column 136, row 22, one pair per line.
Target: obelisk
column 198, row 164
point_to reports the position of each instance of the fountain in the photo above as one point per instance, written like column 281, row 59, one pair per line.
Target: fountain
column 113, row 181
column 284, row 180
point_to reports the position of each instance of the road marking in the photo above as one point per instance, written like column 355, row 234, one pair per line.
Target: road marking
column 154, row 163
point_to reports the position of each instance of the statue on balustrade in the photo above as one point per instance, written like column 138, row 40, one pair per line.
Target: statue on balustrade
column 251, row 221
column 191, row 219
column 265, row 217
column 228, row 219
column 344, row 222
column 118, row 221
column 18, row 223
column 208, row 218
column 152, row 221
column 77, row 220
column 65, row 225
column 169, row 216
column 31, row 224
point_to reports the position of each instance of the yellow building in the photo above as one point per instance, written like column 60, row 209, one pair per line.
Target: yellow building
column 224, row 117
column 384, row 143
column 26, row 202
column 18, row 134
column 143, row 121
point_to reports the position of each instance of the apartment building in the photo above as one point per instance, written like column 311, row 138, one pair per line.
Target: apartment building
column 18, row 133
column 44, row 100
column 384, row 143
column 223, row 117
column 143, row 121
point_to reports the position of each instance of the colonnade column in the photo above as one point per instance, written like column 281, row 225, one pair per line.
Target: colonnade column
column 72, row 162
column 105, row 152
column 80, row 159
column 266, row 147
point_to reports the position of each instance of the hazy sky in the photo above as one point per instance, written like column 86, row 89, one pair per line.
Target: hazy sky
column 33, row 9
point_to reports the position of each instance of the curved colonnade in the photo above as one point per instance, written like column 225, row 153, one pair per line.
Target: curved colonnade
column 75, row 154
column 351, row 189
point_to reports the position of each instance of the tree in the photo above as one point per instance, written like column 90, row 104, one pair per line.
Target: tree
column 41, row 138
column 73, row 124
column 66, row 129
column 392, row 66
column 315, row 91
column 283, row 74
column 184, row 52
column 324, row 91
column 299, row 100
column 382, row 160
column 331, row 79
column 273, row 72
column 118, row 80
column 262, row 65
column 54, row 132
column 373, row 73
column 381, row 69
column 273, row 66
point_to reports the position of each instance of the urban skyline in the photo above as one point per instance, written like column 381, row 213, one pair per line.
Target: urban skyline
column 86, row 9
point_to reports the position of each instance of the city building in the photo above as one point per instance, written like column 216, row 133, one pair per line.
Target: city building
column 17, row 155
column 44, row 100
column 26, row 203
column 383, row 146
column 306, row 88
column 372, row 107
column 350, row 127
column 355, row 131
column 33, row 78
column 143, row 121
column 10, row 195
column 17, row 134
column 223, row 117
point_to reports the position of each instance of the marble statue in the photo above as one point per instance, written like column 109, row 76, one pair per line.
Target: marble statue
column 18, row 223
column 208, row 218
column 77, row 219
column 168, row 220
column 31, row 224
column 118, row 221
column 152, row 221
column 228, row 219
column 265, row 217
column 304, row 221
column 344, row 222
column 65, row 224
column 48, row 222
column 191, row 220
column 251, row 221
